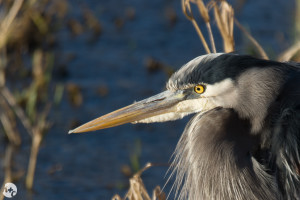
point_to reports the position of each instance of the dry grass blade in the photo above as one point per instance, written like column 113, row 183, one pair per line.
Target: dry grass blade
column 186, row 8
column 203, row 10
column 8, row 21
column 204, row 13
column 224, row 15
column 18, row 111
column 36, row 142
column 158, row 194
column 8, row 121
column 116, row 197
column 7, row 167
column 289, row 53
column 38, row 133
column 137, row 189
column 256, row 44
column 3, row 63
column 211, row 38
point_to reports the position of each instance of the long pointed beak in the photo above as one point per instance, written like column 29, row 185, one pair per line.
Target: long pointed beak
column 156, row 105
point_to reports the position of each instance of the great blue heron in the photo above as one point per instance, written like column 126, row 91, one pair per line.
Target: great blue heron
column 243, row 143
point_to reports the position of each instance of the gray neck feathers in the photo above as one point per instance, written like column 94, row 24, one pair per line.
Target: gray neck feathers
column 257, row 89
column 208, row 167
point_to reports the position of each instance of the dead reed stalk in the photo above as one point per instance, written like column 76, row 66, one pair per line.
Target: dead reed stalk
column 36, row 142
column 7, row 167
column 205, row 16
column 261, row 51
column 186, row 8
column 38, row 133
column 17, row 109
column 137, row 189
column 290, row 52
column 224, row 15
column 6, row 25
column 294, row 49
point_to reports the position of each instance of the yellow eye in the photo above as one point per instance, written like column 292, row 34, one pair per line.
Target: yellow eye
column 199, row 89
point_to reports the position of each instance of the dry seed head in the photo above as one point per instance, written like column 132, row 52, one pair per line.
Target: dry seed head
column 185, row 4
column 227, row 14
column 203, row 11
column 224, row 16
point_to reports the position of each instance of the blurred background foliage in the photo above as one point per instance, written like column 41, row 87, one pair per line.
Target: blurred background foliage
column 64, row 62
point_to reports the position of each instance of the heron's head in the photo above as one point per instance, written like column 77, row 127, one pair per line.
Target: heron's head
column 243, row 83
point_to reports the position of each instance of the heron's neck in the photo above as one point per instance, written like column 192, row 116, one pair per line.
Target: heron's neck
column 213, row 159
column 257, row 94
